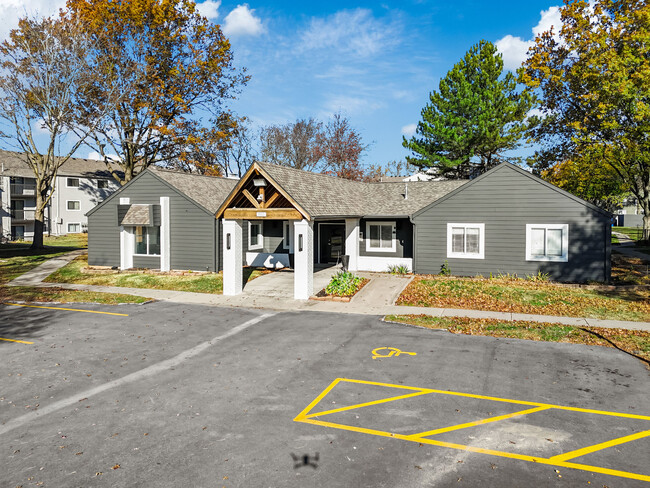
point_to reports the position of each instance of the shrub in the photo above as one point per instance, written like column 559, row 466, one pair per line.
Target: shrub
column 444, row 269
column 343, row 283
column 401, row 269
column 542, row 277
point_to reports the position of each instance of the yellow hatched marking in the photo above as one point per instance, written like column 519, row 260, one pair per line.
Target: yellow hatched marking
column 478, row 422
column 560, row 460
column 359, row 405
column 598, row 447
column 66, row 309
column 14, row 340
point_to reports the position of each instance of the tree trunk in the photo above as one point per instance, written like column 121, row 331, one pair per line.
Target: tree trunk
column 646, row 226
column 39, row 214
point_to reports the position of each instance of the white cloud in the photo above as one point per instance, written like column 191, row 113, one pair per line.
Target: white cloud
column 96, row 156
column 515, row 49
column 209, row 9
column 550, row 18
column 349, row 105
column 12, row 10
column 241, row 21
column 355, row 31
column 409, row 130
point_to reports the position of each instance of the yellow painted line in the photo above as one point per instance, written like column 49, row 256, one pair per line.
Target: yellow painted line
column 598, row 447
column 477, row 422
column 66, row 309
column 301, row 415
column 506, row 400
column 359, row 405
column 559, row 460
column 14, row 340
column 480, row 450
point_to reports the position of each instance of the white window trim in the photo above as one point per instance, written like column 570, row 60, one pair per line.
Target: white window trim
column 146, row 228
column 67, row 181
column 565, row 242
column 289, row 237
column 260, row 235
column 73, row 209
column 393, row 247
column 466, row 255
column 73, row 223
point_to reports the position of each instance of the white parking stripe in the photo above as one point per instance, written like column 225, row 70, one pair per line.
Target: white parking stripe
column 138, row 375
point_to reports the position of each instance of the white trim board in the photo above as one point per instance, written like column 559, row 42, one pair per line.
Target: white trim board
column 381, row 264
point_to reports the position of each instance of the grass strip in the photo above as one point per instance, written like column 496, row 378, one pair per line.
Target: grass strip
column 508, row 294
column 633, row 342
column 74, row 272
column 33, row 294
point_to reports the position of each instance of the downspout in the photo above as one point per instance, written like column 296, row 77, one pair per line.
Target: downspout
column 413, row 241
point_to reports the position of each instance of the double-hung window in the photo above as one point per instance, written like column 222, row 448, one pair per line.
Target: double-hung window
column 547, row 242
column 74, row 228
column 255, row 236
column 466, row 241
column 381, row 237
column 74, row 205
column 147, row 240
column 72, row 182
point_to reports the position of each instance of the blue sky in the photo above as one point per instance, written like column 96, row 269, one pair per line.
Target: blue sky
column 374, row 62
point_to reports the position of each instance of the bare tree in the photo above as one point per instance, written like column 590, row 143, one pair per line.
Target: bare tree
column 211, row 153
column 343, row 149
column 47, row 72
column 298, row 144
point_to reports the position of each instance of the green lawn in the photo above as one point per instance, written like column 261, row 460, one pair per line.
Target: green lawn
column 199, row 283
column 17, row 258
column 522, row 296
column 634, row 233
column 633, row 342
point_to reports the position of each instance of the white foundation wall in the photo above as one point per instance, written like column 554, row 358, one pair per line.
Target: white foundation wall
column 379, row 264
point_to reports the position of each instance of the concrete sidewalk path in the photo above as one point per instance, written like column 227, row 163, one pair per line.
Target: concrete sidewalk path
column 626, row 247
column 36, row 276
column 367, row 302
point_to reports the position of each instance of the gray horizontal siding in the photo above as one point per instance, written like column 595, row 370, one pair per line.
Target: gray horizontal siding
column 505, row 201
column 149, row 262
column 104, row 237
column 192, row 239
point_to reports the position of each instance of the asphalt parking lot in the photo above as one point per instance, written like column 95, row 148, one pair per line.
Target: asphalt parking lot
column 166, row 395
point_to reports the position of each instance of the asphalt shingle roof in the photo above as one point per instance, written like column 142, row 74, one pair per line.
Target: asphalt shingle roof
column 14, row 164
column 328, row 196
column 207, row 191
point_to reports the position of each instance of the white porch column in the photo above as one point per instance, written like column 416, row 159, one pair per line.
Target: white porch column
column 303, row 269
column 233, row 279
column 352, row 243
column 165, row 240
column 127, row 242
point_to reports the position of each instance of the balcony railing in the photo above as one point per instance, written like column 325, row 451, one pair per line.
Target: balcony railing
column 22, row 215
column 18, row 189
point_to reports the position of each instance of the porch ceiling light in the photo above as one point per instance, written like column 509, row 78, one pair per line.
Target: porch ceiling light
column 259, row 182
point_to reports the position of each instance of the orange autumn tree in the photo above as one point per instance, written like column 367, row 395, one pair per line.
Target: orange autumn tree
column 184, row 69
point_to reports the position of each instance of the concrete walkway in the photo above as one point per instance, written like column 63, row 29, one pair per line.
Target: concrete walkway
column 626, row 246
column 376, row 298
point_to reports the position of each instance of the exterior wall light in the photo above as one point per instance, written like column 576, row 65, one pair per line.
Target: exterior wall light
column 259, row 182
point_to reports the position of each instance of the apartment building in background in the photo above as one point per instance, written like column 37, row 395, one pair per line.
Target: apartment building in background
column 80, row 185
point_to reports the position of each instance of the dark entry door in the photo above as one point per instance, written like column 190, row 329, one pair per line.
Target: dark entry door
column 332, row 242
